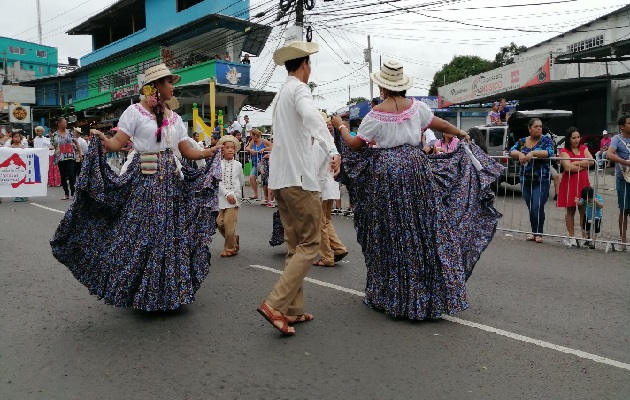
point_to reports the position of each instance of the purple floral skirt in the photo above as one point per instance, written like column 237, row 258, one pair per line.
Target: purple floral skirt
column 140, row 240
column 422, row 222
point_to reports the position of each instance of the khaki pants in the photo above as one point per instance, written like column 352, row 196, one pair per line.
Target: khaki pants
column 300, row 212
column 226, row 221
column 330, row 243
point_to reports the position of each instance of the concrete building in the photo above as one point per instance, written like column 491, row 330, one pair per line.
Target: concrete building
column 194, row 38
column 585, row 70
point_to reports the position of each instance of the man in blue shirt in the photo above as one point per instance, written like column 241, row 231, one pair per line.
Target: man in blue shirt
column 619, row 152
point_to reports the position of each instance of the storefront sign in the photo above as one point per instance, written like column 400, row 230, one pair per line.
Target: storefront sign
column 495, row 82
column 19, row 114
column 18, row 94
column 124, row 92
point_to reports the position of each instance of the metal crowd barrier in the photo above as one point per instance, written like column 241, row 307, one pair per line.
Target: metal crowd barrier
column 511, row 203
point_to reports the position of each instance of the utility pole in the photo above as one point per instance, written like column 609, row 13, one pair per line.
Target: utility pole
column 369, row 49
column 299, row 13
column 39, row 22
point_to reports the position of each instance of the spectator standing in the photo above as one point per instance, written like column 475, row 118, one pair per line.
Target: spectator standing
column 245, row 59
column 619, row 153
column 83, row 144
column 594, row 205
column 604, row 144
column 574, row 179
column 257, row 147
column 534, row 174
column 504, row 110
column 248, row 128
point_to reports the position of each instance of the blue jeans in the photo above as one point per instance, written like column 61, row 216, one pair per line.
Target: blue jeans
column 536, row 195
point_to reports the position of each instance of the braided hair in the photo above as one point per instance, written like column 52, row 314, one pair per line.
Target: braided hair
column 158, row 110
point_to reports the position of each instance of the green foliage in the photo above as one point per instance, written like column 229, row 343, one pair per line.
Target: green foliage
column 356, row 100
column 506, row 55
column 459, row 68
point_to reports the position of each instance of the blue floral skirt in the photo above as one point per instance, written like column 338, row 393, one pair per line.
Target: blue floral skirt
column 140, row 240
column 422, row 222
column 277, row 231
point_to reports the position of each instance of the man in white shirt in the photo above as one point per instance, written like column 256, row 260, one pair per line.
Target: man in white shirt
column 41, row 142
column 248, row 127
column 236, row 127
column 293, row 179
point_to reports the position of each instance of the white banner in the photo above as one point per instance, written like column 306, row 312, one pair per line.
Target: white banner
column 23, row 172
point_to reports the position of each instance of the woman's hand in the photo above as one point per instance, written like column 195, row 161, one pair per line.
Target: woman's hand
column 211, row 151
column 336, row 121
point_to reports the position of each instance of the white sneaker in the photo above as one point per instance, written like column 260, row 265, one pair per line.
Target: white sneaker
column 571, row 242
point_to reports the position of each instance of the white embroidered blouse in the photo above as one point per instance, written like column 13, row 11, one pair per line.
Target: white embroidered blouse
column 232, row 180
column 395, row 129
column 141, row 126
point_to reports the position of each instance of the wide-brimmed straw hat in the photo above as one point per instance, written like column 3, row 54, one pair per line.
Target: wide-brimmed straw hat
column 294, row 50
column 230, row 138
column 40, row 128
column 325, row 116
column 391, row 77
column 156, row 72
column 172, row 103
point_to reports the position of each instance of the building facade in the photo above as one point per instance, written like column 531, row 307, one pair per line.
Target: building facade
column 22, row 60
column 583, row 70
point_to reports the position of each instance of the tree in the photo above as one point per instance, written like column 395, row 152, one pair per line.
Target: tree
column 356, row 100
column 506, row 55
column 313, row 86
column 459, row 68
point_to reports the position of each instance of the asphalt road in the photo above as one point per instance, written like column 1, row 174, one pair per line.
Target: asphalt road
column 546, row 322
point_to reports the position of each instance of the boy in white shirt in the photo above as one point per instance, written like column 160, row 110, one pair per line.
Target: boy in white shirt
column 232, row 180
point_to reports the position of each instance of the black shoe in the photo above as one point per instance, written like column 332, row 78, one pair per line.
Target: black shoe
column 555, row 197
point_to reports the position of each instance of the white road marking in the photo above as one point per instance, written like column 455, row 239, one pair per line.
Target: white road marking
column 515, row 336
column 48, row 208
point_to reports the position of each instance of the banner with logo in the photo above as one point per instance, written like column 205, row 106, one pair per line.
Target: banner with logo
column 19, row 114
column 496, row 82
column 23, row 172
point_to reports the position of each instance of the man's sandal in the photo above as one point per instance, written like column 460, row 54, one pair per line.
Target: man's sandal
column 320, row 263
column 300, row 318
column 267, row 313
column 229, row 253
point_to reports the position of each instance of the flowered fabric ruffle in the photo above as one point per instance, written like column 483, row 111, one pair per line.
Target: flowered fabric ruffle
column 277, row 231
column 54, row 177
column 139, row 240
column 422, row 222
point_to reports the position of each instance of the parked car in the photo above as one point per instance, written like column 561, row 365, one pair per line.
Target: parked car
column 500, row 138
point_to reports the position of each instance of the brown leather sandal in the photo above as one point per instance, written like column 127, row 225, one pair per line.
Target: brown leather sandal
column 300, row 318
column 320, row 263
column 267, row 313
column 229, row 253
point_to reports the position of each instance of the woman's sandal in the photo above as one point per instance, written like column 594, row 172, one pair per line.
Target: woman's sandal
column 539, row 239
column 300, row 318
column 229, row 253
column 66, row 198
column 530, row 238
column 267, row 313
column 320, row 263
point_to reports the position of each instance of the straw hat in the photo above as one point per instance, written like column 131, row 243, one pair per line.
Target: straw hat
column 40, row 128
column 230, row 138
column 391, row 77
column 294, row 50
column 156, row 72
column 172, row 103
column 325, row 117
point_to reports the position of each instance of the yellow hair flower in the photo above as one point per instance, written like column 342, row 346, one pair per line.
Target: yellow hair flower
column 148, row 90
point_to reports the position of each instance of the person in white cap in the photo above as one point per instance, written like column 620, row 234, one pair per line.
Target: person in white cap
column 422, row 220
column 293, row 179
column 604, row 144
column 140, row 239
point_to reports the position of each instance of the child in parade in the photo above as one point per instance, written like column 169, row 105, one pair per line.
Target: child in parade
column 232, row 180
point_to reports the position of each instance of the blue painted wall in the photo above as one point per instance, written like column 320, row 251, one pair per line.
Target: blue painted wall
column 162, row 17
column 29, row 60
column 55, row 93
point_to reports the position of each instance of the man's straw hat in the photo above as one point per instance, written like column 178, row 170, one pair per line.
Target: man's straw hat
column 294, row 50
column 230, row 138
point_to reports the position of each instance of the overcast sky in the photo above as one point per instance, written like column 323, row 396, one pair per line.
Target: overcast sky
column 423, row 37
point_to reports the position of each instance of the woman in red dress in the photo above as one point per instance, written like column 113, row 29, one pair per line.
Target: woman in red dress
column 574, row 179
